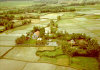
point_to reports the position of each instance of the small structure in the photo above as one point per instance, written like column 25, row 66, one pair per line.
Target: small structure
column 52, row 44
column 36, row 35
column 72, row 42
column 47, row 30
column 39, row 39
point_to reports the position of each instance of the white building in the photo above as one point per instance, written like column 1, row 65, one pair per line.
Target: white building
column 47, row 30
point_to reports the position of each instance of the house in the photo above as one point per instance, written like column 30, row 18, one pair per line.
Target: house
column 36, row 35
column 52, row 44
column 47, row 30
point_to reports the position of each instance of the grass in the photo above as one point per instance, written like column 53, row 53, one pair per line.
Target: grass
column 54, row 57
column 81, row 63
column 31, row 41
column 50, row 53
column 62, row 60
column 85, row 63
column 47, row 60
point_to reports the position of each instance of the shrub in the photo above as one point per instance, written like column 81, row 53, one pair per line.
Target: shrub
column 46, row 37
column 42, row 31
column 77, row 36
column 41, row 43
column 53, row 30
column 93, row 47
column 35, row 28
column 21, row 17
column 9, row 17
column 27, row 17
column 64, row 46
column 9, row 25
column 58, row 18
column 62, row 35
column 51, row 23
column 3, row 22
column 20, row 40
column 52, row 36
column 26, row 22
column 16, row 11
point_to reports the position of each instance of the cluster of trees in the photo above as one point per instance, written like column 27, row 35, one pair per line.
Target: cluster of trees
column 58, row 18
column 41, row 29
column 83, row 3
column 8, row 26
column 3, row 22
column 21, row 40
column 26, row 22
column 7, row 17
column 54, row 9
column 84, row 45
column 43, row 8
column 29, row 17
column 14, row 11
column 6, row 21
column 40, row 8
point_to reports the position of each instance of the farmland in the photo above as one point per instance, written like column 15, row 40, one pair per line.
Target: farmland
column 72, row 40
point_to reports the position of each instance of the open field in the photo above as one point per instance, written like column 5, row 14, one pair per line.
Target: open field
column 84, row 19
column 16, row 3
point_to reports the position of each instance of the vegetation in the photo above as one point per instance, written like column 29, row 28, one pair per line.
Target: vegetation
column 40, row 8
column 9, row 25
column 3, row 22
column 7, row 17
column 72, row 44
column 83, row 46
column 6, row 21
column 41, row 43
column 29, row 17
column 56, row 56
column 79, row 47
column 84, row 63
column 26, row 22
column 58, row 18
column 21, row 40
column 41, row 29
column 53, row 53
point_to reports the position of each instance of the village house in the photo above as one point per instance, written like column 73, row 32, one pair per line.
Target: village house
column 47, row 30
column 36, row 35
